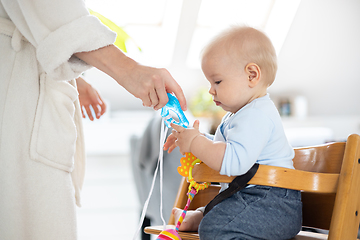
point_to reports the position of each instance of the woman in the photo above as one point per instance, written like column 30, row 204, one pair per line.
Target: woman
column 44, row 45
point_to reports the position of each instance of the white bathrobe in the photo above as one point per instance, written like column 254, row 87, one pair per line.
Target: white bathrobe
column 41, row 148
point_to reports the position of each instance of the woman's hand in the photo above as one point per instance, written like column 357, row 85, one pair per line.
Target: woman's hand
column 151, row 85
column 147, row 83
column 88, row 96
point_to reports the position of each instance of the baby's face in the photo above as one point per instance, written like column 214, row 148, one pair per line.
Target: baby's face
column 228, row 80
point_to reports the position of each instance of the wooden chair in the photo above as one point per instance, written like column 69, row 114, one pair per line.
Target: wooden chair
column 328, row 176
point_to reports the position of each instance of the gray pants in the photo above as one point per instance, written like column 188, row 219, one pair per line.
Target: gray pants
column 258, row 212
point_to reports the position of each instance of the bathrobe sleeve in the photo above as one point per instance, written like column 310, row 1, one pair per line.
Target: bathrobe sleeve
column 58, row 29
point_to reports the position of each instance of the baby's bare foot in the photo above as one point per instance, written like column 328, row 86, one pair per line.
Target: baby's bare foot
column 191, row 221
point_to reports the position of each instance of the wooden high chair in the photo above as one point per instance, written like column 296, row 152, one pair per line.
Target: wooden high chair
column 328, row 176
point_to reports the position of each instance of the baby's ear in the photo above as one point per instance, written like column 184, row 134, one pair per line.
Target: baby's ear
column 253, row 71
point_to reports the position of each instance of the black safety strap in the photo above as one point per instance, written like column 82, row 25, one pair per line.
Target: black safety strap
column 240, row 182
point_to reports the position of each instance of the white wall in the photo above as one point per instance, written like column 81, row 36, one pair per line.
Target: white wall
column 320, row 58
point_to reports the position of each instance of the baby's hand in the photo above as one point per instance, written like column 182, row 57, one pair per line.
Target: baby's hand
column 184, row 136
column 191, row 221
column 170, row 144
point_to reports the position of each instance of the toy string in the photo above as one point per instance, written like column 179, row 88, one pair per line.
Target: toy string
column 192, row 192
column 159, row 164
column 185, row 169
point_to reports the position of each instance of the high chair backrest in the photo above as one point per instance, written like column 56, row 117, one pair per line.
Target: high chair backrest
column 328, row 176
column 328, row 158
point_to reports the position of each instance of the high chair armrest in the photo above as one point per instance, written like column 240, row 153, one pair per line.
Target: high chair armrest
column 276, row 177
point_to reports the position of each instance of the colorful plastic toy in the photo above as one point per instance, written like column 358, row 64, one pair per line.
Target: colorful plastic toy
column 173, row 105
column 187, row 164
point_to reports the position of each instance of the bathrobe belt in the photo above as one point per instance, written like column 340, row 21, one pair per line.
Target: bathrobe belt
column 7, row 27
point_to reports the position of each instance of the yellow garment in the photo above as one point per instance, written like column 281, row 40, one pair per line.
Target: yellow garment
column 121, row 37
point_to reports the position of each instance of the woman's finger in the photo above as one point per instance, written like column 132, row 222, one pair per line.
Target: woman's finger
column 172, row 86
column 153, row 98
column 82, row 112
column 96, row 110
column 161, row 93
column 146, row 100
column 102, row 104
column 88, row 112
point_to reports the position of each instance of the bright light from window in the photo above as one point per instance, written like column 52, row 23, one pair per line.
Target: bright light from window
column 215, row 16
column 215, row 13
column 274, row 17
column 154, row 24
column 125, row 12
column 151, row 24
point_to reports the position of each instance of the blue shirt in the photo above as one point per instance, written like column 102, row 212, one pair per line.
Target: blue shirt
column 254, row 134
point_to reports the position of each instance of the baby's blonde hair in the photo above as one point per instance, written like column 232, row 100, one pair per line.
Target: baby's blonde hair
column 248, row 45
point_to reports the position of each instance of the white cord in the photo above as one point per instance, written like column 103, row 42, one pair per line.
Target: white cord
column 161, row 159
column 159, row 163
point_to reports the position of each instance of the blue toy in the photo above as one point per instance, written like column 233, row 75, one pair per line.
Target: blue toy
column 173, row 105
column 186, row 167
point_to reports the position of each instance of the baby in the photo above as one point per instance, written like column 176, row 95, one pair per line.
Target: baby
column 240, row 64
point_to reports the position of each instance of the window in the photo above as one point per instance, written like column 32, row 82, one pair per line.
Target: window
column 151, row 24
column 156, row 25
column 214, row 16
